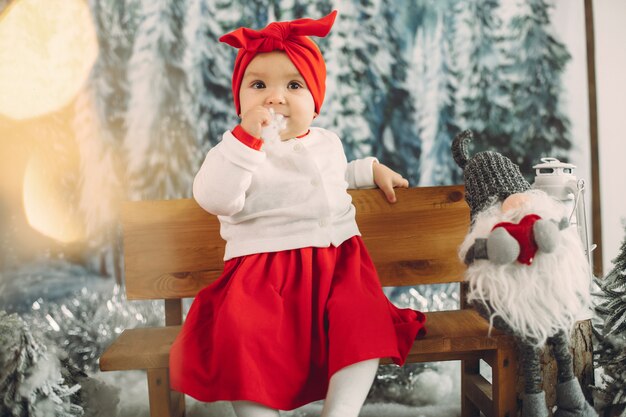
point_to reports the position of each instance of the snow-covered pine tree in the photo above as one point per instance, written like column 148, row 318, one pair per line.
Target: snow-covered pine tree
column 611, row 352
column 317, row 9
column 345, row 109
column 161, row 151
column 416, row 79
column 255, row 14
column 99, row 128
column 100, row 184
column 292, row 9
column 31, row 383
column 539, row 128
column 443, row 170
column 207, row 102
column 367, row 89
column 411, row 15
column 485, row 102
column 229, row 14
column 424, row 79
column 116, row 24
column 397, row 141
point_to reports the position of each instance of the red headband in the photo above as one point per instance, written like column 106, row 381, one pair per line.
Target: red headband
column 290, row 37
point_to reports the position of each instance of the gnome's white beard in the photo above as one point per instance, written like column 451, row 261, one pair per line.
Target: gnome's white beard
column 535, row 300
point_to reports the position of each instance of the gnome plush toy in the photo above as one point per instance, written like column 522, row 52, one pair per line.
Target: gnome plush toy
column 527, row 271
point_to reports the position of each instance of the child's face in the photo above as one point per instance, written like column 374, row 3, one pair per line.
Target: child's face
column 272, row 81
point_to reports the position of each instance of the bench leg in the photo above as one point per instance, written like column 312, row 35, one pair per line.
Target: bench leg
column 163, row 401
column 469, row 367
column 504, row 382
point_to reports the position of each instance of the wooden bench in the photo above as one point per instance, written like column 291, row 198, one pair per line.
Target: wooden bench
column 173, row 248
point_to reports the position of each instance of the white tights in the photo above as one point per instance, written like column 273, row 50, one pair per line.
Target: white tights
column 250, row 409
column 346, row 394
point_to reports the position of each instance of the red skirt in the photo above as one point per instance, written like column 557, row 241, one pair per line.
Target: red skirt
column 276, row 326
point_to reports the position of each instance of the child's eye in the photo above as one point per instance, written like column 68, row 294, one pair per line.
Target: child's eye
column 258, row 84
column 294, row 85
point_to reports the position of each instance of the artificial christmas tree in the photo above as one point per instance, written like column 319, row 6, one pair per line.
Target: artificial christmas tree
column 611, row 352
column 31, row 380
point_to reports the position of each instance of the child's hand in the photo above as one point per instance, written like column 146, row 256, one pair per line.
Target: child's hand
column 254, row 120
column 387, row 179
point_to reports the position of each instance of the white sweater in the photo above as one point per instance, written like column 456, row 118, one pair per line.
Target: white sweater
column 289, row 195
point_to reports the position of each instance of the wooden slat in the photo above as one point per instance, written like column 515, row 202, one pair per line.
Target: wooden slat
column 469, row 368
column 455, row 332
column 416, row 239
column 504, row 379
column 479, row 391
column 452, row 335
column 173, row 312
column 172, row 249
column 163, row 402
column 177, row 401
column 596, row 198
column 141, row 348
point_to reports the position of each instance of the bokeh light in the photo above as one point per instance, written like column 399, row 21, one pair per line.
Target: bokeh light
column 48, row 208
column 47, row 48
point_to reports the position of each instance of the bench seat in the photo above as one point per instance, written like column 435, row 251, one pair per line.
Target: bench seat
column 173, row 249
column 455, row 334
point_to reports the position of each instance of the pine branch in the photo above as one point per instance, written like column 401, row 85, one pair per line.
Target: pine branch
column 31, row 382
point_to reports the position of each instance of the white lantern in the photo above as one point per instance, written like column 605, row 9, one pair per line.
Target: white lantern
column 557, row 179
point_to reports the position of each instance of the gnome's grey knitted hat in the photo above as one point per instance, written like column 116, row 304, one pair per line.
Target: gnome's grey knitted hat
column 488, row 175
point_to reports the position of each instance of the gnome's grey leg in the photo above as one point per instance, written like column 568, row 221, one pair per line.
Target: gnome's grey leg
column 534, row 396
column 564, row 363
column 570, row 400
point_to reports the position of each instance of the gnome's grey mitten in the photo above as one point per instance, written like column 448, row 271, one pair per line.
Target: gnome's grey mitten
column 502, row 248
column 571, row 402
column 546, row 234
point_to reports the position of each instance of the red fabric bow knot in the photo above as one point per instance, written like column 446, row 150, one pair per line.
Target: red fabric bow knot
column 290, row 37
column 271, row 38
column 274, row 35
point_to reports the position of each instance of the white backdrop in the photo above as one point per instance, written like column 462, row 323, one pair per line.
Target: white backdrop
column 610, row 34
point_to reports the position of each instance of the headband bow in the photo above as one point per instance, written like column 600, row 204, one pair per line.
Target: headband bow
column 290, row 37
column 276, row 34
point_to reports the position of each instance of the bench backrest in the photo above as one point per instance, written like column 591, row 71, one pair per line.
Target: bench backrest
column 173, row 248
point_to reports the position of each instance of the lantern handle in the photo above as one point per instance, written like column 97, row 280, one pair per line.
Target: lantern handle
column 580, row 187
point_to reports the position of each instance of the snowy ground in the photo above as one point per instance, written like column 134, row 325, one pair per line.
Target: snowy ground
column 439, row 399
column 442, row 399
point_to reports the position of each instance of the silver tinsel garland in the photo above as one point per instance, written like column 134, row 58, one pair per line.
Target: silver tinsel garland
column 426, row 297
column 80, row 312
column 397, row 384
column 84, row 324
column 85, row 318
